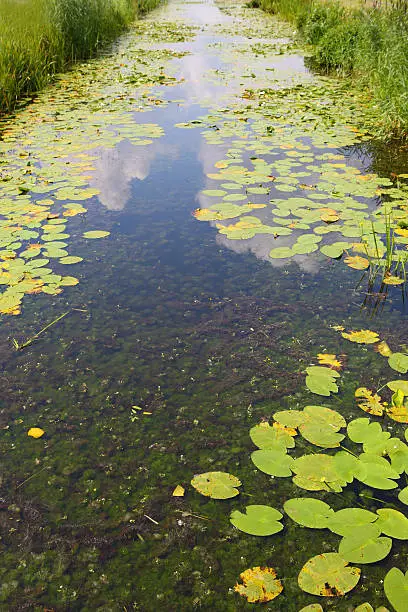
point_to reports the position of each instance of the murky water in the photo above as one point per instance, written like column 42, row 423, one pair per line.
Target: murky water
column 177, row 341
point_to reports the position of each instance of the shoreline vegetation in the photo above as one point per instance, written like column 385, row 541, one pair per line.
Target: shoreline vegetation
column 365, row 42
column 40, row 38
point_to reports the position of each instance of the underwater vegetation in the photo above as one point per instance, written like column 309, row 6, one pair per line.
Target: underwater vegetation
column 369, row 455
column 370, row 43
column 39, row 38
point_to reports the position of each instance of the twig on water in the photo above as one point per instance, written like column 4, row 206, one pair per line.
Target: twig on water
column 20, row 347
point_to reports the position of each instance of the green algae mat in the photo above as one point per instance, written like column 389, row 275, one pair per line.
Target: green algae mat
column 204, row 349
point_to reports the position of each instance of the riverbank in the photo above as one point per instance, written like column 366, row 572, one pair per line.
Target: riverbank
column 366, row 43
column 39, row 39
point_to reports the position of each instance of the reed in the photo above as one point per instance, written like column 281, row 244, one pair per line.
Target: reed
column 39, row 38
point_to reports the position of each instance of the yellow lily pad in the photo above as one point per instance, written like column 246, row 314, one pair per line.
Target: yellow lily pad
column 35, row 432
column 259, row 585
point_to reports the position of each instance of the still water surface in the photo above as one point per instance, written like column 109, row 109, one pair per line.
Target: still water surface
column 177, row 342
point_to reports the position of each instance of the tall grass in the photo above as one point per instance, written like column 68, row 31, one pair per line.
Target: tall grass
column 370, row 44
column 41, row 37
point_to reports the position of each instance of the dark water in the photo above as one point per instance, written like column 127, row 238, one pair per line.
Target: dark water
column 206, row 341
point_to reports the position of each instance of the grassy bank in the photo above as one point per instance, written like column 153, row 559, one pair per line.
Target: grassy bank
column 369, row 44
column 41, row 37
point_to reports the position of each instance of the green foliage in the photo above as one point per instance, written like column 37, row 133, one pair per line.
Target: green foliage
column 396, row 589
column 370, row 44
column 40, row 38
column 258, row 520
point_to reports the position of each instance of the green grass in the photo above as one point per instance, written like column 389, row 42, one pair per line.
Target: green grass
column 368, row 44
column 39, row 38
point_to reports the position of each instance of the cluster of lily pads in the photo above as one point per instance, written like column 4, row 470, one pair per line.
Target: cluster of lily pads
column 284, row 177
column 47, row 153
column 358, row 451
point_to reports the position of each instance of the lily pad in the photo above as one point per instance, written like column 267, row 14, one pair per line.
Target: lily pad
column 267, row 437
column 328, row 575
column 364, row 336
column 259, row 585
column 393, row 523
column 398, row 362
column 218, row 485
column 365, row 545
column 258, row 520
column 345, row 521
column 308, row 512
column 96, row 234
column 396, row 589
column 273, row 462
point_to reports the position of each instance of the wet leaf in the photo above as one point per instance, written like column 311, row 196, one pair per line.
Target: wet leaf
column 383, row 349
column 403, row 496
column 312, row 608
column 376, row 472
column 178, row 491
column 365, row 545
column 393, row 523
column 394, row 385
column 372, row 403
column 258, row 520
column 327, row 359
column 35, row 432
column 218, row 485
column 71, row 259
column 273, row 462
column 317, row 472
column 364, row 336
column 308, row 512
column 259, row 585
column 267, row 437
column 343, row 522
column 321, row 380
column 389, row 279
column 357, row 262
column 328, row 575
column 96, row 234
column 396, row 589
column 398, row 362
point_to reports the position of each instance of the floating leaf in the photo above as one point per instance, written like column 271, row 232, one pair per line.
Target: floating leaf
column 320, row 380
column 403, row 496
column 258, row 520
column 273, row 462
column 365, row 545
column 364, row 336
column 372, row 401
column 347, row 520
column 390, row 279
column 328, row 575
column 329, row 360
column 35, row 432
column 96, row 234
column 71, row 259
column 179, row 491
column 383, row 349
column 357, row 262
column 376, row 472
column 398, row 362
column 267, row 437
column 394, row 385
column 308, row 512
column 218, row 485
column 396, row 589
column 259, row 585
column 312, row 608
column 318, row 472
column 393, row 523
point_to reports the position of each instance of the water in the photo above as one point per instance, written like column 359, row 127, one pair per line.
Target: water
column 177, row 342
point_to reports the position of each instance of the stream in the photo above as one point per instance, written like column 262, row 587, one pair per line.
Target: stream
column 202, row 147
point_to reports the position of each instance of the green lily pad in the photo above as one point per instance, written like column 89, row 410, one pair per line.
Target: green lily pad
column 393, row 523
column 267, row 437
column 96, row 234
column 365, row 545
column 398, row 362
column 258, row 520
column 348, row 520
column 273, row 462
column 308, row 512
column 321, row 380
column 395, row 385
column 218, row 485
column 71, row 259
column 403, row 496
column 396, row 589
